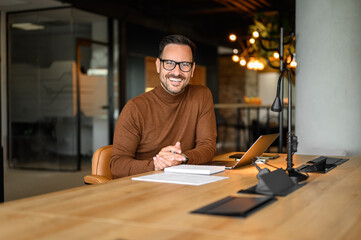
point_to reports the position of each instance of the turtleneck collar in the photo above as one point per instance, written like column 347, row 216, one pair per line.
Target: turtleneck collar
column 165, row 96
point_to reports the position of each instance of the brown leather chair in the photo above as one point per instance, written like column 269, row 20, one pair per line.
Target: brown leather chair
column 100, row 166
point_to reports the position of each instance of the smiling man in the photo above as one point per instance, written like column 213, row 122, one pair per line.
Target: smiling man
column 172, row 124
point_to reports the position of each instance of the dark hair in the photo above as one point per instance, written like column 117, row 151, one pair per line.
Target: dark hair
column 177, row 39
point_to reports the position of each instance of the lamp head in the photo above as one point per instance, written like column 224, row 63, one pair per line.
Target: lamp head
column 277, row 106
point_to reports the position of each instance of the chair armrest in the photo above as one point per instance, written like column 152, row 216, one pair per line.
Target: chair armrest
column 95, row 179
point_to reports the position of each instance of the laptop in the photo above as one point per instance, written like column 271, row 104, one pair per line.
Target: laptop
column 258, row 147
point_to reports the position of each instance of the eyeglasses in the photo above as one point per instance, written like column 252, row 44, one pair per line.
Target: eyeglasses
column 170, row 65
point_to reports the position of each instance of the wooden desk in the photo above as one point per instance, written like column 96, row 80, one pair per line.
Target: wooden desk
column 328, row 207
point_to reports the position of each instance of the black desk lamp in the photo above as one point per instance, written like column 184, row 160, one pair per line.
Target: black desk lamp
column 291, row 138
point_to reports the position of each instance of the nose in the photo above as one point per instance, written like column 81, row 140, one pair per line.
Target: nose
column 177, row 69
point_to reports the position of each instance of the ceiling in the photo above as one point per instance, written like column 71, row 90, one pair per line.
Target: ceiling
column 209, row 21
column 24, row 5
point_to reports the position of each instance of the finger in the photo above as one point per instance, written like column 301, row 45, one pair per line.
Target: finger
column 172, row 156
column 171, row 149
column 167, row 149
column 160, row 164
column 174, row 163
column 173, row 153
column 157, row 167
column 178, row 146
column 167, row 155
column 165, row 161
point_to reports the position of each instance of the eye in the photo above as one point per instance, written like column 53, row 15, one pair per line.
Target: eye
column 185, row 64
column 169, row 62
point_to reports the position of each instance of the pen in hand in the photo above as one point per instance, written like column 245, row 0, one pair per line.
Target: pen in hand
column 178, row 153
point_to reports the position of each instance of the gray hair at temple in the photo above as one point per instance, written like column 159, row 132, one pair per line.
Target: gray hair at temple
column 177, row 39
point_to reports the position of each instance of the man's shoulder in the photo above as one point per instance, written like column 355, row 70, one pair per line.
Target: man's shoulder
column 140, row 99
column 199, row 92
column 137, row 105
column 198, row 89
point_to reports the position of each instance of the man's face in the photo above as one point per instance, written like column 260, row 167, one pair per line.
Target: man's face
column 174, row 81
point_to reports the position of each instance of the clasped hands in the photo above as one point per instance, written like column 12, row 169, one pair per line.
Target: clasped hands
column 168, row 156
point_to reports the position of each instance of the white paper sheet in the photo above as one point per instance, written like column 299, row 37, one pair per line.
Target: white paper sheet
column 179, row 178
column 195, row 169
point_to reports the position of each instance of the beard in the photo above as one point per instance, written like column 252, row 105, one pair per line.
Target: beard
column 167, row 85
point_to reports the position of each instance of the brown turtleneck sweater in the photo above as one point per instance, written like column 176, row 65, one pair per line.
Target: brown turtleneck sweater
column 156, row 119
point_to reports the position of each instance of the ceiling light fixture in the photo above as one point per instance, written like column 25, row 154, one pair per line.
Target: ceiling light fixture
column 28, row 26
column 235, row 58
column 232, row 37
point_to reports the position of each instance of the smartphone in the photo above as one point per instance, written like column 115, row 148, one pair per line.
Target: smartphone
column 265, row 155
column 237, row 155
column 269, row 156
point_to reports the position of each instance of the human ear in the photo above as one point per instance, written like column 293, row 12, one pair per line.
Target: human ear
column 193, row 67
column 157, row 65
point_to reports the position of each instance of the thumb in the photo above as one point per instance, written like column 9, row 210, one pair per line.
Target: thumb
column 178, row 145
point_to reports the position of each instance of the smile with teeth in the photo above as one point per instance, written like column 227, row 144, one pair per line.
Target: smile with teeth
column 175, row 81
column 172, row 79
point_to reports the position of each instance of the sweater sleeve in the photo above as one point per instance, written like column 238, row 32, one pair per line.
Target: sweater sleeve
column 127, row 136
column 206, row 133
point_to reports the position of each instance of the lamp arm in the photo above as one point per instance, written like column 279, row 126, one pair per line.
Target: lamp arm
column 270, row 64
column 293, row 72
column 265, row 48
column 279, row 81
column 289, row 51
column 273, row 39
column 290, row 137
column 267, row 39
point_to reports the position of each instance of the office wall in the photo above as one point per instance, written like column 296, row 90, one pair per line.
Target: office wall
column 328, row 84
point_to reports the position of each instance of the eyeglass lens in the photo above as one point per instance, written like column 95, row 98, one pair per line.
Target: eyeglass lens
column 170, row 65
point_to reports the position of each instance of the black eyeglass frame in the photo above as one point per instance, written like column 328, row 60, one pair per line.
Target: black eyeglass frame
column 175, row 65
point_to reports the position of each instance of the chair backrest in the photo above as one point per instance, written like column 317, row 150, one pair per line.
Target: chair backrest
column 101, row 161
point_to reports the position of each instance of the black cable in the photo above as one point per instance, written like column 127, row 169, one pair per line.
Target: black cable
column 270, row 165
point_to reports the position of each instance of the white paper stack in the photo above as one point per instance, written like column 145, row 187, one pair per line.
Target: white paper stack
column 195, row 169
column 180, row 178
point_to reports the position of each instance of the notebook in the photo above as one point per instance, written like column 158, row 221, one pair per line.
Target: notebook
column 258, row 147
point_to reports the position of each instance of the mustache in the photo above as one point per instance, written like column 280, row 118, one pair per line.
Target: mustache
column 175, row 76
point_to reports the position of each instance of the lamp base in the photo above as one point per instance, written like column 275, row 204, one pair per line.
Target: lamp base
column 296, row 176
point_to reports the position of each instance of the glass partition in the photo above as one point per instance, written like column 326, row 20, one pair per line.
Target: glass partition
column 44, row 130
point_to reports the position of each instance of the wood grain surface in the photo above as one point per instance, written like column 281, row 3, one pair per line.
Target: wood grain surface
column 327, row 207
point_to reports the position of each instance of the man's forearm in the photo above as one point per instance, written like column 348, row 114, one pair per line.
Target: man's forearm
column 201, row 154
column 121, row 166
